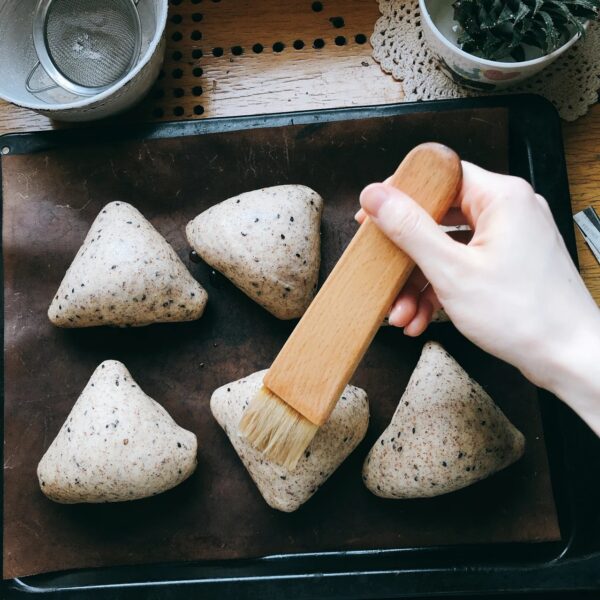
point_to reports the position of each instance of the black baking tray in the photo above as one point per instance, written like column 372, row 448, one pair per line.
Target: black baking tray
column 536, row 154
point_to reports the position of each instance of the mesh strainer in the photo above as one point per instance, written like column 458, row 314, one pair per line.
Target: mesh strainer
column 85, row 46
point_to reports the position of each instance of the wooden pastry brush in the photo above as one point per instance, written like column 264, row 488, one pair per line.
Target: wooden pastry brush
column 312, row 369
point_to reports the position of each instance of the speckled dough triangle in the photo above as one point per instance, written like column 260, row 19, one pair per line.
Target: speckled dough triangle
column 125, row 274
column 116, row 444
column 446, row 434
column 334, row 442
column 267, row 243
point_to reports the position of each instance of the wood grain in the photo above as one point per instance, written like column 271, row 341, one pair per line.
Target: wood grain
column 322, row 354
column 582, row 151
column 199, row 81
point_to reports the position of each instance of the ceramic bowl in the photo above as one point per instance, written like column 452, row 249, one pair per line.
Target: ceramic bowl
column 18, row 58
column 471, row 71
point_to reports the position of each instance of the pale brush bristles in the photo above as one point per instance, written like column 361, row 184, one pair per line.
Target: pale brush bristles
column 281, row 433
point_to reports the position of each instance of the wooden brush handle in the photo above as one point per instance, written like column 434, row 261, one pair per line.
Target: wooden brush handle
column 323, row 351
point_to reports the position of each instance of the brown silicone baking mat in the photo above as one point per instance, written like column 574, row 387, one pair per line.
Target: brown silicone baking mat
column 50, row 199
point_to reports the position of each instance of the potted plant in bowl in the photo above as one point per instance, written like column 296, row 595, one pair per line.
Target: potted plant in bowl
column 491, row 44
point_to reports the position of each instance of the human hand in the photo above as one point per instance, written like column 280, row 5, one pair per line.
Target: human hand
column 512, row 290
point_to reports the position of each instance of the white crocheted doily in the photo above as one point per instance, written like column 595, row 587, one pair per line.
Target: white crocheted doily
column 571, row 83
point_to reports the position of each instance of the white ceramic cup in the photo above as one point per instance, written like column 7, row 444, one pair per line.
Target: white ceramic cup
column 18, row 58
column 471, row 71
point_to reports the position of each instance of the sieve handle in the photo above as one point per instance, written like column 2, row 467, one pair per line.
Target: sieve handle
column 33, row 90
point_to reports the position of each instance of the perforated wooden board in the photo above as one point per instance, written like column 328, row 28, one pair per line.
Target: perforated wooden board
column 241, row 50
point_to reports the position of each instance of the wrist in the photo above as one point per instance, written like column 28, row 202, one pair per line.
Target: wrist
column 572, row 371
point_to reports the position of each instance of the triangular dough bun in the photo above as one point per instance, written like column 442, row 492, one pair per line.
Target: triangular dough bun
column 267, row 243
column 446, row 434
column 333, row 443
column 117, row 444
column 125, row 274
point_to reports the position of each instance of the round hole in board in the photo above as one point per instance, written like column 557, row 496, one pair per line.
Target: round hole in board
column 197, row 90
column 5, row 150
column 197, row 72
column 278, row 47
column 176, row 19
column 340, row 40
column 318, row 43
column 176, row 36
column 337, row 22
column 237, row 50
column 196, row 1
column 197, row 17
column 197, row 53
column 178, row 92
column 217, row 51
column 175, row 2
column 178, row 111
column 177, row 73
column 176, row 55
column 198, row 110
column 196, row 35
column 298, row 45
column 360, row 38
column 317, row 6
column 257, row 48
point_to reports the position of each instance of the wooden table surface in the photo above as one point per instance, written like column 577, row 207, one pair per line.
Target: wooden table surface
column 239, row 57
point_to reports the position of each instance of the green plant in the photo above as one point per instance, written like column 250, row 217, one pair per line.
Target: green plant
column 497, row 29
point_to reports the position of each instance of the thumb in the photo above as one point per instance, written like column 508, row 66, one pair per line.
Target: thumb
column 411, row 228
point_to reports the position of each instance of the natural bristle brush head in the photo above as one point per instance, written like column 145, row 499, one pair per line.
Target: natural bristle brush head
column 281, row 433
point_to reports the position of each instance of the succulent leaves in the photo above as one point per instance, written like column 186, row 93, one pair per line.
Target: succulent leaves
column 497, row 29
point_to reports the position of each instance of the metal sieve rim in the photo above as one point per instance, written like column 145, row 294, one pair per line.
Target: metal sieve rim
column 46, row 61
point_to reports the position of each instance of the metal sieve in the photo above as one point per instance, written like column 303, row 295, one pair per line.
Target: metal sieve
column 85, row 46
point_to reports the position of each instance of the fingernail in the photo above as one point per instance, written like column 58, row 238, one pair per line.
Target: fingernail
column 395, row 314
column 373, row 198
column 357, row 215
